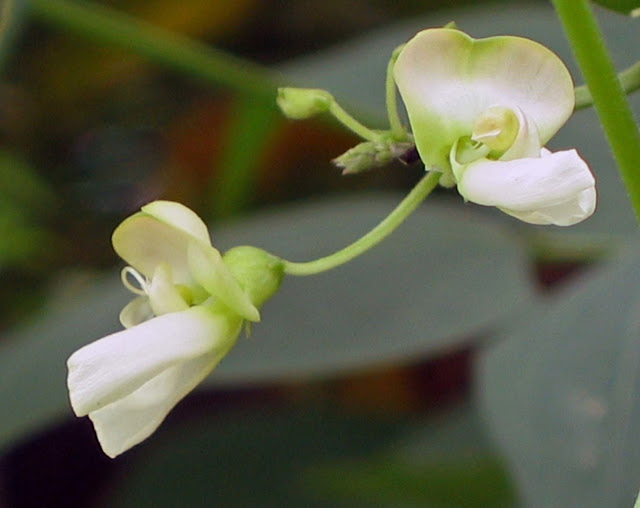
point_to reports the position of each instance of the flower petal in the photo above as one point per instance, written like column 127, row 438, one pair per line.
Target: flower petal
column 447, row 79
column 128, row 421
column 210, row 271
column 144, row 242
column 527, row 142
column 135, row 312
column 115, row 366
column 164, row 296
column 523, row 184
column 158, row 234
column 178, row 216
column 565, row 214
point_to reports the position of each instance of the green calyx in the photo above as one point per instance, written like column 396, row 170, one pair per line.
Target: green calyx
column 301, row 103
column 257, row 272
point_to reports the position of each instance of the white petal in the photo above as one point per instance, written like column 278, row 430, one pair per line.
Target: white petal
column 553, row 189
column 135, row 312
column 160, row 234
column 447, row 79
column 178, row 216
column 115, row 366
column 130, row 420
column 565, row 214
column 144, row 242
column 164, row 296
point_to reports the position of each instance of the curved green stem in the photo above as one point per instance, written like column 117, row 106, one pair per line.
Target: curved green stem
column 629, row 80
column 608, row 97
column 113, row 28
column 397, row 129
column 351, row 123
column 373, row 237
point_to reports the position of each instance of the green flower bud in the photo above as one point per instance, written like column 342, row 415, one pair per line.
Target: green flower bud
column 256, row 271
column 371, row 154
column 300, row 103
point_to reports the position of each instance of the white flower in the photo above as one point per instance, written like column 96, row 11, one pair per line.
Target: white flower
column 128, row 382
column 188, row 313
column 481, row 112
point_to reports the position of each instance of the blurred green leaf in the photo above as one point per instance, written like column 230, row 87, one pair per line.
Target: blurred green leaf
column 437, row 282
column 20, row 241
column 253, row 121
column 315, row 457
column 246, row 458
column 20, row 186
column 466, row 483
column 24, row 198
column 11, row 19
column 447, row 463
column 560, row 391
column 623, row 6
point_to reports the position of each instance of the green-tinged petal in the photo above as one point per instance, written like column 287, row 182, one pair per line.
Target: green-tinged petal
column 158, row 234
column 211, row 273
column 128, row 421
column 145, row 242
column 527, row 142
column 135, row 312
column 447, row 79
column 117, row 365
column 178, row 216
column 164, row 296
column 558, row 186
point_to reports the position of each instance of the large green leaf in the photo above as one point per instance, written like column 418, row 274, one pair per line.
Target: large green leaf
column 439, row 280
column 560, row 392
column 444, row 463
column 315, row 457
column 248, row 458
column 623, row 6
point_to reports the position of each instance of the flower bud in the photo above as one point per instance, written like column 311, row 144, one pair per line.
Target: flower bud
column 300, row 103
column 256, row 271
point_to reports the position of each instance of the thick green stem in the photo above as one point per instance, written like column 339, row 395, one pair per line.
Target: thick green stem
column 629, row 80
column 608, row 97
column 113, row 28
column 373, row 237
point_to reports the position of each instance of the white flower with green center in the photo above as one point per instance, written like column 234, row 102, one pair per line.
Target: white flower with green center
column 481, row 112
column 190, row 308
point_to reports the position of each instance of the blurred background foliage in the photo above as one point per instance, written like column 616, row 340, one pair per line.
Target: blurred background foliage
column 361, row 386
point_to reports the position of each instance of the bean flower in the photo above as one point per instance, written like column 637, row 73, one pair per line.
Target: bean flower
column 190, row 307
column 481, row 111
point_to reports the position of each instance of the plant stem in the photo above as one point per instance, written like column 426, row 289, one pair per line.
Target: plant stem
column 629, row 80
column 247, row 134
column 397, row 129
column 351, row 123
column 113, row 28
column 422, row 189
column 608, row 97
